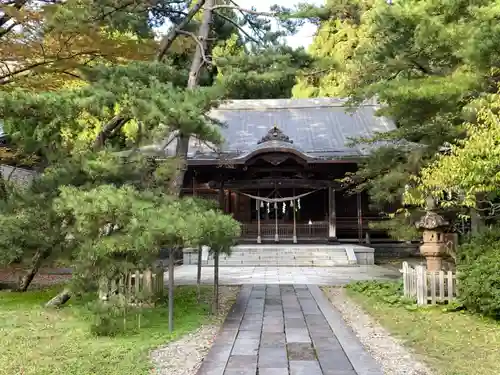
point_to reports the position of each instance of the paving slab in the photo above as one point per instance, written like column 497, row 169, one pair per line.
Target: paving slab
column 286, row 330
column 276, row 275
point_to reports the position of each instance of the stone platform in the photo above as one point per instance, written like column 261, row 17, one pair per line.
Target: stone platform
column 303, row 255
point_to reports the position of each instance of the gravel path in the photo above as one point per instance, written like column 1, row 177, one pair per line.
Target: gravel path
column 394, row 358
column 184, row 356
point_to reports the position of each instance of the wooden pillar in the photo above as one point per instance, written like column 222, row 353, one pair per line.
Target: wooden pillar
column 222, row 200
column 276, row 236
column 229, row 202
column 294, row 219
column 194, row 183
column 259, row 238
column 332, row 216
column 237, row 206
column 360, row 216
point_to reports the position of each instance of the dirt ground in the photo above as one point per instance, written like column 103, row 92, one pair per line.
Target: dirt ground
column 46, row 276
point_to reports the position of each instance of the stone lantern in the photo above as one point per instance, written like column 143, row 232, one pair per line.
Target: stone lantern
column 433, row 227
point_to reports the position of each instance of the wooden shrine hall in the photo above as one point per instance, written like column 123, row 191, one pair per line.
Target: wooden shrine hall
column 278, row 169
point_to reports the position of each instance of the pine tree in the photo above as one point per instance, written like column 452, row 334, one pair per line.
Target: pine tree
column 118, row 103
column 426, row 62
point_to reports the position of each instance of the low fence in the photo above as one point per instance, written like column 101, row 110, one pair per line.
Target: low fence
column 428, row 287
column 146, row 285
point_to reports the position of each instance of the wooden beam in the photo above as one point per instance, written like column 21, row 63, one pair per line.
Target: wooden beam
column 272, row 183
column 360, row 216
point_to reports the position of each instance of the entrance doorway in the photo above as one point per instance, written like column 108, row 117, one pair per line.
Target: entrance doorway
column 288, row 215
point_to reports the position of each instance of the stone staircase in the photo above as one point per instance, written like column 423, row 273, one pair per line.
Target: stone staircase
column 288, row 255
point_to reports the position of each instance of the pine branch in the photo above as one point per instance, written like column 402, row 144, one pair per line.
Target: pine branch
column 200, row 45
column 117, row 122
column 6, row 77
column 168, row 40
column 237, row 26
column 252, row 24
column 249, row 11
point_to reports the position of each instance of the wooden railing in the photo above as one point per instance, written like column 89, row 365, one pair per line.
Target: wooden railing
column 347, row 227
column 316, row 230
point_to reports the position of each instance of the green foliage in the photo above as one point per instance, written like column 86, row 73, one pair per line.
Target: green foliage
column 267, row 73
column 59, row 123
column 385, row 291
column 470, row 167
column 478, row 271
column 333, row 47
column 426, row 62
column 401, row 225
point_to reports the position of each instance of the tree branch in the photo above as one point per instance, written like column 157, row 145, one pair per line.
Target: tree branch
column 115, row 123
column 168, row 40
column 249, row 11
column 249, row 21
column 200, row 45
column 5, row 78
column 237, row 26
column 8, row 29
column 17, row 4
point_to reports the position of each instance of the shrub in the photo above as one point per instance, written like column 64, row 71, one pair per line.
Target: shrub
column 485, row 242
column 478, row 272
column 389, row 292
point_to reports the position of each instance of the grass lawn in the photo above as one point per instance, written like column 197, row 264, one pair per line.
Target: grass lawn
column 40, row 341
column 451, row 343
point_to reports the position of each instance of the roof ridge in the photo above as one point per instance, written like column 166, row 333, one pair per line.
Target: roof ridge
column 286, row 104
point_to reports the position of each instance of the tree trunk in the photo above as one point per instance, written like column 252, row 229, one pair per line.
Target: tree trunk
column 168, row 40
column 216, row 283
column 117, row 122
column 193, row 81
column 171, row 286
column 60, row 299
column 3, row 188
column 198, row 274
column 28, row 277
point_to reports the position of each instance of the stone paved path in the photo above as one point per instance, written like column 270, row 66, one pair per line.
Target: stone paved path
column 186, row 274
column 286, row 330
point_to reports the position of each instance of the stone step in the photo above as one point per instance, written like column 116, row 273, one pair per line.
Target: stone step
column 288, row 255
column 285, row 264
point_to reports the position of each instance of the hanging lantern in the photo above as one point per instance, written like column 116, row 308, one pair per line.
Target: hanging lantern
column 262, row 204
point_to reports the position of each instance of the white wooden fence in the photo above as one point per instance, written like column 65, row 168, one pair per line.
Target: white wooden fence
column 428, row 287
column 147, row 284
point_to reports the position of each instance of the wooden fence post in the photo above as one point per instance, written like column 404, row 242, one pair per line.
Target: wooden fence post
column 406, row 279
column 421, row 275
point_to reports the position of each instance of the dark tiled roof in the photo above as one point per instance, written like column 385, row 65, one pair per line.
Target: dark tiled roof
column 320, row 128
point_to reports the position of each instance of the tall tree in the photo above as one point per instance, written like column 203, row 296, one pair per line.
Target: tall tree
column 426, row 62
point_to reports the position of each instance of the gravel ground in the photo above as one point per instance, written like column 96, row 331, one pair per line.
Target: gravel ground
column 389, row 352
column 184, row 356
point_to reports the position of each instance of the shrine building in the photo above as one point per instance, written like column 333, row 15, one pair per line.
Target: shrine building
column 278, row 170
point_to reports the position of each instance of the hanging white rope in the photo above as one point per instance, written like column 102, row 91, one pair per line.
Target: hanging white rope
column 276, row 200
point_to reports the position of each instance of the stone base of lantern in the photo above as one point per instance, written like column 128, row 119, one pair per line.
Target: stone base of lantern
column 434, row 263
column 433, row 253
